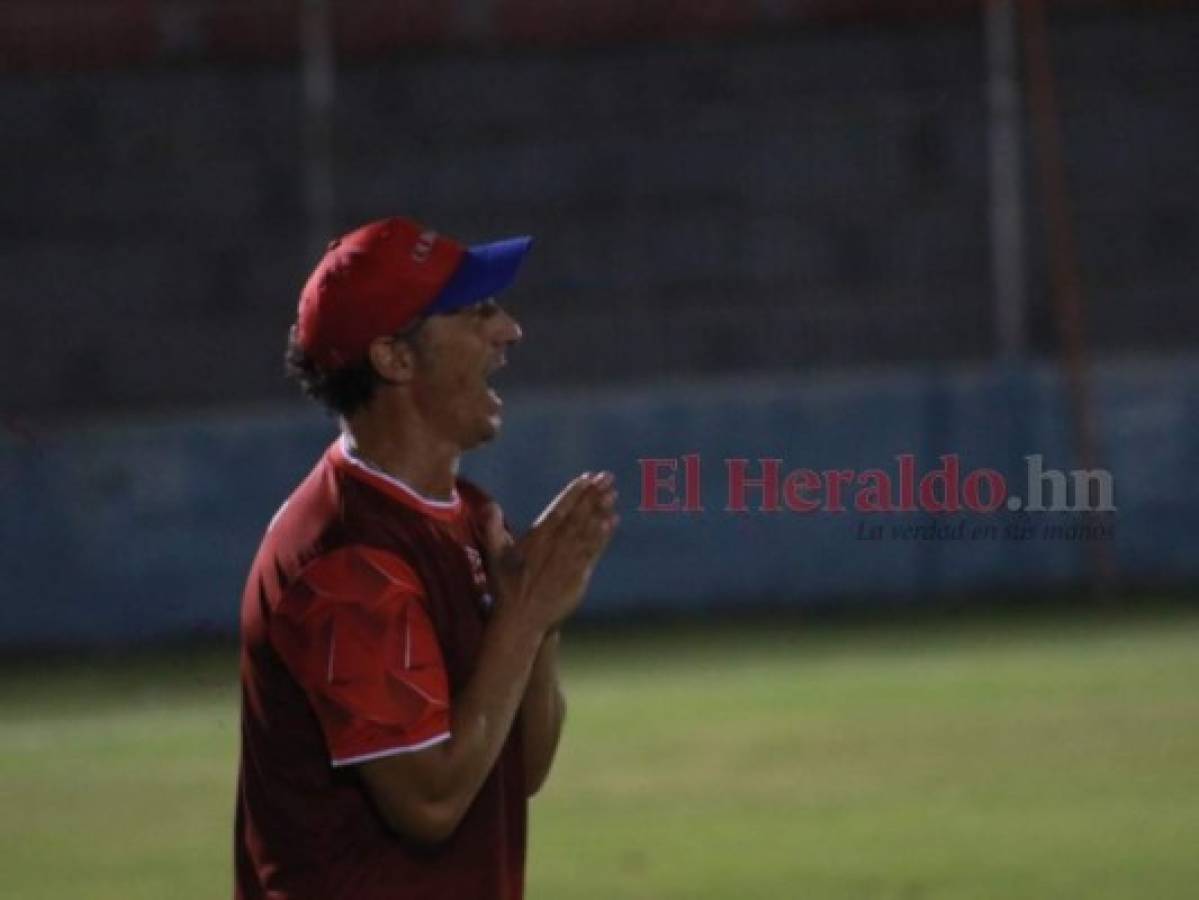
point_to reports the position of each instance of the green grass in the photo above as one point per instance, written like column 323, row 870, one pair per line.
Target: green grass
column 1014, row 759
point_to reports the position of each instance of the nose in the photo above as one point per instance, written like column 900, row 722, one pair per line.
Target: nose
column 509, row 331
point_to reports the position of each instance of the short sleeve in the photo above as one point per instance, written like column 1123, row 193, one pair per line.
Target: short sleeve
column 354, row 633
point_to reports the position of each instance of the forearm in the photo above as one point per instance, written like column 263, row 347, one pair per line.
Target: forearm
column 539, row 582
column 541, row 715
column 425, row 795
column 485, row 711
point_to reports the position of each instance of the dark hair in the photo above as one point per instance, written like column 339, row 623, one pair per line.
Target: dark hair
column 343, row 391
column 346, row 390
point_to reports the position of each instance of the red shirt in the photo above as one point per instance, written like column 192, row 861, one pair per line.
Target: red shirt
column 361, row 621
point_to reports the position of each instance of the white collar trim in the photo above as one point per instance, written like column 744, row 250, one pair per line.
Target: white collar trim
column 374, row 471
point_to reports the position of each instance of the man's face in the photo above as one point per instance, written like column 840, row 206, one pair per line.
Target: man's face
column 456, row 356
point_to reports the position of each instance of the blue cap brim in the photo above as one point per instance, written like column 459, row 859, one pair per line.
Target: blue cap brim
column 485, row 270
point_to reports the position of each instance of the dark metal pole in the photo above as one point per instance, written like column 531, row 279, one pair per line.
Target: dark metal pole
column 1007, row 181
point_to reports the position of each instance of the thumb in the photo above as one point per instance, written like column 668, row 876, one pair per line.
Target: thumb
column 496, row 539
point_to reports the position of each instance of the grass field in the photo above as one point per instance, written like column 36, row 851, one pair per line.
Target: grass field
column 1047, row 758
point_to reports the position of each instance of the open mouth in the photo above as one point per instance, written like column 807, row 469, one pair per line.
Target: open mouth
column 489, row 379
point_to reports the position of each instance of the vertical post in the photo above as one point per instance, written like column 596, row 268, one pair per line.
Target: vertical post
column 1065, row 289
column 319, row 75
column 1006, row 180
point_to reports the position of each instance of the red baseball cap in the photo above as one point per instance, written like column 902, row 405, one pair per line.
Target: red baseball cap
column 380, row 278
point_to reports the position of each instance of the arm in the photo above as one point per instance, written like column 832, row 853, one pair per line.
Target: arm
column 538, row 581
column 424, row 795
column 542, row 714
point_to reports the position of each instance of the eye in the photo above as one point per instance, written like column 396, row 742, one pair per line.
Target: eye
column 486, row 309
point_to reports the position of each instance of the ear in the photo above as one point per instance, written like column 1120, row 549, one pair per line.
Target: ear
column 393, row 361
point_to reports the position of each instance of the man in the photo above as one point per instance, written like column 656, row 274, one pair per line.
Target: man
column 399, row 664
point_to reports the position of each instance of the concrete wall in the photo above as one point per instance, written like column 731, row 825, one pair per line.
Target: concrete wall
column 133, row 533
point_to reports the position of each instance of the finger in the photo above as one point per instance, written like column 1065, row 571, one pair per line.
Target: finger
column 588, row 536
column 598, row 503
column 606, row 531
column 587, row 524
column 576, row 539
column 577, row 531
column 561, row 506
column 603, row 526
column 607, row 500
column 596, row 488
column 591, row 509
column 607, row 528
column 554, row 529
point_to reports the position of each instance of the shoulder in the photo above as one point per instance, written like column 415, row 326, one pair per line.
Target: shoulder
column 354, row 575
column 305, row 525
column 357, row 565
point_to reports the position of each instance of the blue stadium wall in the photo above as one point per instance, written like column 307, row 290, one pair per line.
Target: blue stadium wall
column 125, row 534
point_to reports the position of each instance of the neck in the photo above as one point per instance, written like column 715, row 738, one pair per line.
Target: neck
column 422, row 461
